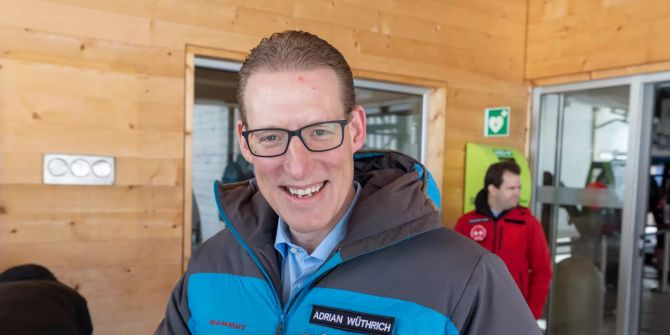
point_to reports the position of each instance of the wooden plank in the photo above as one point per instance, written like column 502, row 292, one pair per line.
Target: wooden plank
column 453, row 207
column 603, row 74
column 597, row 37
column 110, row 281
column 213, row 53
column 512, row 10
column 471, row 120
column 595, row 19
column 568, row 65
column 83, row 253
column 46, row 47
column 482, row 18
column 631, row 70
column 206, row 13
column 475, row 100
column 598, row 52
column 144, row 326
column 454, row 157
column 455, row 178
column 118, row 310
column 279, row 8
column 410, row 50
column 20, row 168
column 174, row 34
column 142, row 171
column 462, row 135
column 77, row 21
column 127, row 313
column 24, row 76
column 571, row 78
column 30, row 228
column 52, row 199
column 31, row 107
column 107, row 142
column 188, row 161
column 436, row 139
column 71, row 20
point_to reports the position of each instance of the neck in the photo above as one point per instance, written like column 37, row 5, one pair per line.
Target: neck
column 311, row 240
column 308, row 241
column 494, row 205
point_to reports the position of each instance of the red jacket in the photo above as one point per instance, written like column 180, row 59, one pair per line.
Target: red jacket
column 517, row 238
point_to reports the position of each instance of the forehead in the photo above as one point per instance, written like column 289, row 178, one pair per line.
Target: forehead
column 510, row 179
column 292, row 98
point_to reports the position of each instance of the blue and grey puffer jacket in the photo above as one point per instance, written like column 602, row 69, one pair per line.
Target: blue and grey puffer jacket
column 397, row 271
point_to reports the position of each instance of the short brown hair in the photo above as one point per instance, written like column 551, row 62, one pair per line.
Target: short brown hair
column 294, row 50
column 494, row 174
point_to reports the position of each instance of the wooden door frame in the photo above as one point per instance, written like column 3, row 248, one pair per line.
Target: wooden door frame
column 436, row 125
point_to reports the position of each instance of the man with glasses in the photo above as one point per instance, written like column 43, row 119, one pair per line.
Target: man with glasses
column 326, row 241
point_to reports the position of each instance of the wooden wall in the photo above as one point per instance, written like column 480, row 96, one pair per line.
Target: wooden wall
column 576, row 40
column 108, row 78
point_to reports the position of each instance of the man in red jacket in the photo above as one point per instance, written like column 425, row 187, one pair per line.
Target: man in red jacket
column 510, row 231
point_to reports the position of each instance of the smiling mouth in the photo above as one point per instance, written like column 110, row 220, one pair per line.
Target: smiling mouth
column 303, row 193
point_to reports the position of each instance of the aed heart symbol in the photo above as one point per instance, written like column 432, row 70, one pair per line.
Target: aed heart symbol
column 496, row 123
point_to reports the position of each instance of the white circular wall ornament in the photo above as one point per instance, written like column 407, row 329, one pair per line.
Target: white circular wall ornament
column 80, row 168
column 102, row 169
column 57, row 167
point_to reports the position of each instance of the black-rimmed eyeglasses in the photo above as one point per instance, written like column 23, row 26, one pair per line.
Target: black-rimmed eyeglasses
column 317, row 137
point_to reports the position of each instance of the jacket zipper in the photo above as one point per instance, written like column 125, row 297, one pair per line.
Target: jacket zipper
column 306, row 286
column 495, row 235
column 280, row 326
column 500, row 237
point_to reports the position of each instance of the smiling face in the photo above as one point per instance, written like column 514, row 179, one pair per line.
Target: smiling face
column 311, row 191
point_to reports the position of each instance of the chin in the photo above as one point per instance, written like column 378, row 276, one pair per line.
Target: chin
column 307, row 223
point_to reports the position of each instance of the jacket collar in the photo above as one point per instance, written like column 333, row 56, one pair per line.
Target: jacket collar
column 482, row 205
column 394, row 204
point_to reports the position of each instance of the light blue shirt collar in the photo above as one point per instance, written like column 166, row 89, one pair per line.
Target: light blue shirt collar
column 297, row 265
column 496, row 213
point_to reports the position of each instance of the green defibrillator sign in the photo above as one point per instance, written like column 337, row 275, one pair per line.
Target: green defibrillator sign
column 496, row 121
column 478, row 157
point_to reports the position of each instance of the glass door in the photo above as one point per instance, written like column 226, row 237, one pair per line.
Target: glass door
column 581, row 157
column 601, row 156
column 655, row 299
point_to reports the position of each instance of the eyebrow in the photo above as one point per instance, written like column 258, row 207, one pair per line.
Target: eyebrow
column 303, row 126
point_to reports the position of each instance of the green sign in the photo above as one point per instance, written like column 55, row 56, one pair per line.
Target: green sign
column 496, row 122
column 478, row 157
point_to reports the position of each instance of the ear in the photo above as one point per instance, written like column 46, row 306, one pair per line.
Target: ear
column 244, row 148
column 491, row 189
column 357, row 128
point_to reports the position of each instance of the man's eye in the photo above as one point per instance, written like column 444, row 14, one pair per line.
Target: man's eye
column 321, row 132
column 269, row 138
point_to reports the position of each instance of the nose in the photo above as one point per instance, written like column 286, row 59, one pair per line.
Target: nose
column 297, row 160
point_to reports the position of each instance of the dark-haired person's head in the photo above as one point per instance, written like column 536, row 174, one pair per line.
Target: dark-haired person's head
column 503, row 185
column 27, row 272
column 34, row 302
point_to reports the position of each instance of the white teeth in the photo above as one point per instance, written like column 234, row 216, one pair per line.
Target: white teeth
column 305, row 193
